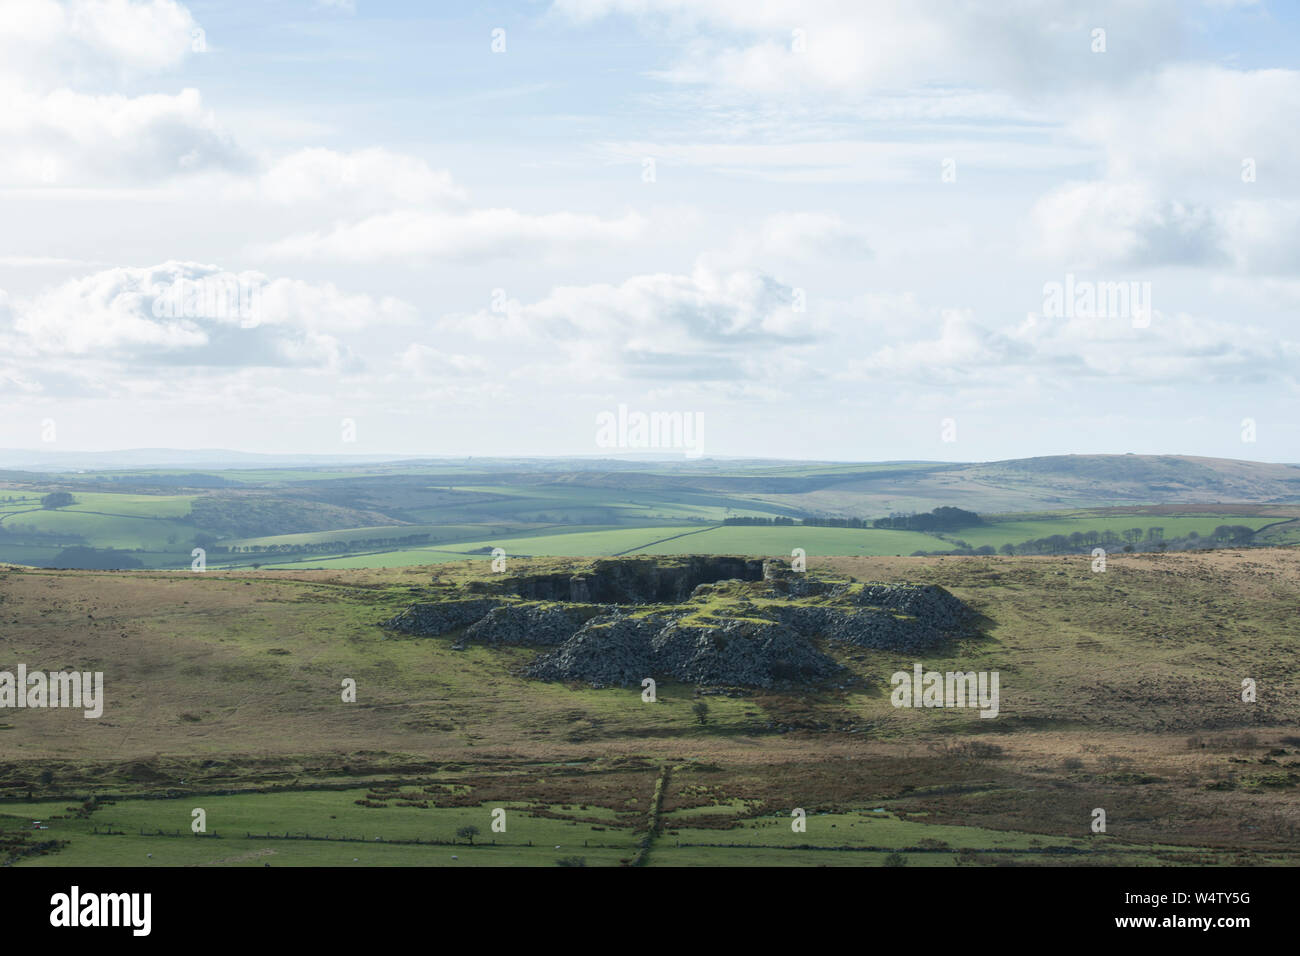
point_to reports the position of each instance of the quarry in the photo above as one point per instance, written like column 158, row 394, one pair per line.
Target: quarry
column 707, row 620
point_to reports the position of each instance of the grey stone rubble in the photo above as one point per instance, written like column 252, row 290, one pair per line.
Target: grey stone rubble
column 533, row 623
column 709, row 632
column 619, row 649
column 628, row 580
column 437, row 618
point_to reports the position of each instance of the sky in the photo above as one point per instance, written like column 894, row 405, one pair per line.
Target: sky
column 813, row 229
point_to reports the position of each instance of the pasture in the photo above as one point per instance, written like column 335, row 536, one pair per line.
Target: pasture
column 357, row 518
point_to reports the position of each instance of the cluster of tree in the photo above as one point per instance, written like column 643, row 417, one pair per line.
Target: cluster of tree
column 58, row 499
column 93, row 559
column 145, row 482
column 24, row 534
column 1131, row 539
column 837, row 522
column 322, row 547
column 808, row 522
column 940, row 519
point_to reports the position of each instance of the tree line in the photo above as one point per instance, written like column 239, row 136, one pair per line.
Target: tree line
column 940, row 519
column 1130, row 539
column 322, row 547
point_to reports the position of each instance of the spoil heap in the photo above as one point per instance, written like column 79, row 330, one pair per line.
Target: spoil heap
column 705, row 620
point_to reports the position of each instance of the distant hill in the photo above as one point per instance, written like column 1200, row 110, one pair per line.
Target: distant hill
column 312, row 497
column 422, row 511
column 1027, row 484
column 1152, row 478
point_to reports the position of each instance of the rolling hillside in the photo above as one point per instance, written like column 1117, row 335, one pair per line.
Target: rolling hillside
column 359, row 514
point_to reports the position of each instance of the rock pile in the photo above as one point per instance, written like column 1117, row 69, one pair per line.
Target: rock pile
column 902, row 617
column 629, row 580
column 533, row 623
column 442, row 617
column 755, row 629
column 619, row 649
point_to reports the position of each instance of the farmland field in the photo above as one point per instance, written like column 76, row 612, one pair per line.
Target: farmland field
column 781, row 540
column 404, row 825
column 392, row 516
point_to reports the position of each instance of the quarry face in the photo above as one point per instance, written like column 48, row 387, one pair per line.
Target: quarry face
column 707, row 620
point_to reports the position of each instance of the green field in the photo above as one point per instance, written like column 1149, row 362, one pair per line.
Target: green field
column 999, row 532
column 139, row 506
column 439, row 533
column 780, row 541
column 733, row 539
column 123, row 521
column 332, row 828
column 322, row 828
column 776, row 541
column 354, row 518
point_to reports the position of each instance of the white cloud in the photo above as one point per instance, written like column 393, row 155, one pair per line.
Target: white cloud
column 69, row 139
column 184, row 313
column 148, row 35
column 60, row 127
column 1101, row 223
column 702, row 326
column 1130, row 224
column 800, row 237
column 812, row 47
column 481, row 233
column 424, row 361
column 369, row 177
column 38, row 262
column 1263, row 236
column 829, row 160
column 315, row 306
column 1194, row 124
column 45, row 43
column 1197, row 173
column 680, row 292
column 962, row 349
column 1173, row 349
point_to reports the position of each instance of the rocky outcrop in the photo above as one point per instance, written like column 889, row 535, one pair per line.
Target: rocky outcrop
column 632, row 580
column 745, row 653
column 532, row 623
column 868, row 627
column 607, row 651
column 900, row 617
column 442, row 617
column 932, row 607
column 711, row 621
column 621, row 650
